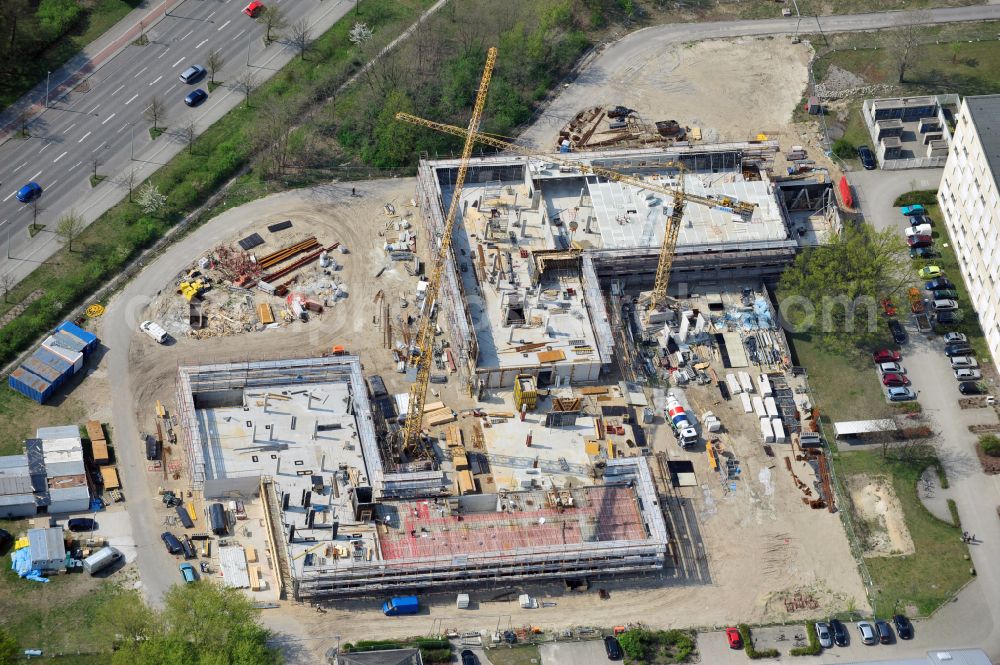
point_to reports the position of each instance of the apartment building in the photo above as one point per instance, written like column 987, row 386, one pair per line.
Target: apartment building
column 970, row 203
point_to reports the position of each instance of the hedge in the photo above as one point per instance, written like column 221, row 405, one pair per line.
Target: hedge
column 925, row 197
column 813, row 648
column 752, row 652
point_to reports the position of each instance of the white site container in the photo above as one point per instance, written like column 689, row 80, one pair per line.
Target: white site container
column 758, row 406
column 734, row 384
column 766, row 433
column 746, row 382
column 771, row 406
column 779, row 430
column 747, row 406
column 765, row 385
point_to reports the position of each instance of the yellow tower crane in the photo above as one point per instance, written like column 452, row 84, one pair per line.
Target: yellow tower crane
column 425, row 334
column 678, row 195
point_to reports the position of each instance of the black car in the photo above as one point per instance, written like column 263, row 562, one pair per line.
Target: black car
column 196, row 97
column 903, row 627
column 898, row 333
column 6, row 542
column 840, row 635
column 78, row 524
column 949, row 317
column 924, row 253
column 970, row 388
column 613, row 648
column 883, row 631
column 917, row 220
column 867, row 157
column 469, row 658
column 170, row 540
column 939, row 284
column 953, row 350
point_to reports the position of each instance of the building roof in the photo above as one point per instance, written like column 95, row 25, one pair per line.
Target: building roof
column 58, row 432
column 15, row 478
column 984, row 110
column 854, row 427
column 233, row 561
column 387, row 657
column 942, row 656
column 46, row 544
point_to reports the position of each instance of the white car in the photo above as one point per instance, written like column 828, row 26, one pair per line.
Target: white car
column 919, row 230
column 953, row 337
column 891, row 368
column 963, row 362
column 945, row 305
column 824, row 635
column 968, row 374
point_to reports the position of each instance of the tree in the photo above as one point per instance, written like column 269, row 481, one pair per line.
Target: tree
column 9, row 652
column 95, row 161
column 904, row 40
column 956, row 50
column 7, row 282
column 394, row 140
column 360, row 34
column 189, row 132
column 246, row 83
column 128, row 617
column 12, row 11
column 129, row 181
column 301, row 37
column 827, row 287
column 273, row 19
column 69, row 227
column 215, row 62
column 23, row 118
column 156, row 111
column 150, row 199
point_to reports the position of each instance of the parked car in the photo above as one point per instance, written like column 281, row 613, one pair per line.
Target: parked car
column 968, row 374
column 469, row 658
column 78, row 524
column 924, row 253
column 915, row 209
column 734, row 638
column 929, row 272
column 170, row 540
column 952, row 337
column 970, row 388
column 613, row 649
column 884, row 631
column 192, row 74
column 922, row 230
column 945, row 304
column 920, row 241
column 916, row 220
column 254, row 9
column 840, row 635
column 891, row 368
column 867, row 631
column 29, row 192
column 196, row 97
column 895, row 380
column 949, row 318
column 187, row 572
column 958, row 349
column 901, row 394
column 897, row 330
column 867, row 157
column 946, row 293
column 824, row 635
column 938, row 284
column 960, row 362
column 903, row 627
column 885, row 356
column 188, row 547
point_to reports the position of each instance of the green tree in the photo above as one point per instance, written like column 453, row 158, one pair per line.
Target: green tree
column 394, row 140
column 69, row 226
column 128, row 618
column 8, row 648
column 58, row 16
column 844, row 149
column 834, row 291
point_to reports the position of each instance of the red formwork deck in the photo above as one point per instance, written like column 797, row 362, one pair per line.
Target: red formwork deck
column 599, row 514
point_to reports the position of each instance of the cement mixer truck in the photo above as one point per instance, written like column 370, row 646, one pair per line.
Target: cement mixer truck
column 683, row 430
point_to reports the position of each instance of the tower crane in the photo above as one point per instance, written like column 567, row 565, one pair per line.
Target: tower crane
column 411, row 442
column 673, row 226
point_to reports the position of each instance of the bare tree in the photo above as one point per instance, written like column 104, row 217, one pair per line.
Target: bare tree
column 95, row 161
column 215, row 62
column 301, row 37
column 68, row 227
column 156, row 111
column 246, row 83
column 189, row 132
column 23, row 118
column 273, row 19
column 7, row 282
column 904, row 41
column 271, row 142
column 129, row 181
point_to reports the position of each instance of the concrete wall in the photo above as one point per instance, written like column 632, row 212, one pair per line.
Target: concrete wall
column 72, row 506
column 18, row 510
column 218, row 488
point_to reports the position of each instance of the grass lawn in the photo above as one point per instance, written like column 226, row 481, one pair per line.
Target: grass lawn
column 937, row 569
column 20, row 416
column 522, row 654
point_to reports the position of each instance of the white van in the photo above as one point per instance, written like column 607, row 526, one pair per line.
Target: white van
column 919, row 230
column 154, row 330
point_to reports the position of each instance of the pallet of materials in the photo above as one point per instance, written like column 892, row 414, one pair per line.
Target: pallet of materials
column 265, row 314
column 439, row 417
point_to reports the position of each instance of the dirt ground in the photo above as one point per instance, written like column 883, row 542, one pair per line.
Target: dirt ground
column 730, row 89
column 876, row 504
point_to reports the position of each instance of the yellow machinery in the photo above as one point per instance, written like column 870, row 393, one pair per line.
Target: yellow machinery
column 190, row 289
column 412, row 444
column 525, row 392
column 669, row 247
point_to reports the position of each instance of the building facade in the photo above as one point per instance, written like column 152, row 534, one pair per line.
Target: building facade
column 970, row 203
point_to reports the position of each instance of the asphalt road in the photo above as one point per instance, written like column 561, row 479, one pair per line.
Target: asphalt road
column 104, row 118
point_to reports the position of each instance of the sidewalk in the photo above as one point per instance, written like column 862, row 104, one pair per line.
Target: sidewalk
column 85, row 63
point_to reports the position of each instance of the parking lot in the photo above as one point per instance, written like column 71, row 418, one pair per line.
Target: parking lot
column 577, row 653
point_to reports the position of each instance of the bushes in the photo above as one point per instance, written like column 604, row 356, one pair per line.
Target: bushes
column 751, row 650
column 813, row 648
column 990, row 444
column 646, row 646
column 844, row 149
column 926, row 197
column 956, row 521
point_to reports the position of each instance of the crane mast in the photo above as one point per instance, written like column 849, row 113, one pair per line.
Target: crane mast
column 425, row 334
column 673, row 225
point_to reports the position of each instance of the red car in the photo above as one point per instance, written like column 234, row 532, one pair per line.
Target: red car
column 885, row 356
column 890, row 309
column 919, row 241
column 254, row 9
column 734, row 638
column 895, row 380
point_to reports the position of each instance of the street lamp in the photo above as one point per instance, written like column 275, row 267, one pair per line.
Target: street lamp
column 249, row 40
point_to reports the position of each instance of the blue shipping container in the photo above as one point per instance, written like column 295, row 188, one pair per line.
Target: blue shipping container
column 43, row 371
column 55, row 361
column 68, row 341
column 29, row 385
column 90, row 339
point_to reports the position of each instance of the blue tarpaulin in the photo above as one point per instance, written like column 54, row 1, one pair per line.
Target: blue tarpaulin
column 20, row 562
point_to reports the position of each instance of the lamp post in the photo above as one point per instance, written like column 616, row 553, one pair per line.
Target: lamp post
column 249, row 41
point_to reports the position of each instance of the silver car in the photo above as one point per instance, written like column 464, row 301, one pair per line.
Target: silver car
column 968, row 374
column 945, row 305
column 891, row 368
column 960, row 362
column 824, row 635
column 867, row 631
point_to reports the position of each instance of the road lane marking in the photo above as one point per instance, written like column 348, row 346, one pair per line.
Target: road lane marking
column 186, row 36
column 84, row 137
column 75, row 165
column 211, row 15
column 44, row 147
column 35, row 176
column 59, row 157
column 69, row 128
column 239, row 34
column 23, row 164
column 224, row 25
column 140, row 72
column 110, row 116
column 94, row 109
column 178, row 62
column 201, row 43
column 100, row 146
column 51, row 184
column 157, row 80
column 117, row 90
column 122, row 129
column 165, row 51
column 10, row 195
column 131, row 100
